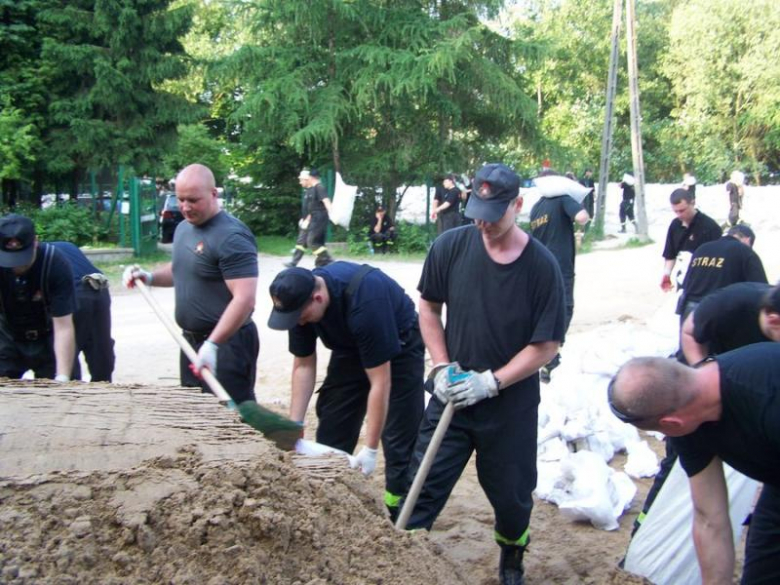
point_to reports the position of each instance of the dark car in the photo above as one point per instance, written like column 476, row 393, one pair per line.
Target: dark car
column 170, row 217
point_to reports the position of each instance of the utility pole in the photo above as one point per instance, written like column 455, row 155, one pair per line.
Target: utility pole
column 609, row 116
column 636, row 120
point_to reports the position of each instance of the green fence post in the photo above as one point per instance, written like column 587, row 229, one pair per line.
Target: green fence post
column 428, row 210
column 135, row 217
column 330, row 186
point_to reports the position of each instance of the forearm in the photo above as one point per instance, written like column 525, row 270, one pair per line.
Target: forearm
column 714, row 549
column 64, row 344
column 693, row 351
column 376, row 414
column 442, row 207
column 328, row 205
column 302, row 385
column 668, row 265
column 163, row 275
column 432, row 330
column 526, row 363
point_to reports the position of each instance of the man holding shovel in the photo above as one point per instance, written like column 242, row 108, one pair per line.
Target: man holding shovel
column 505, row 319
column 214, row 271
column 376, row 365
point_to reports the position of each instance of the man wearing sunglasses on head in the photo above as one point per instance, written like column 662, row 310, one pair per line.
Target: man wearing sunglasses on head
column 725, row 410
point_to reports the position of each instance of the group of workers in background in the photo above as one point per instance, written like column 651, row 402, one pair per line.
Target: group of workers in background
column 508, row 296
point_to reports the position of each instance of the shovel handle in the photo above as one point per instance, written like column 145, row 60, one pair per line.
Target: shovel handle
column 192, row 355
column 425, row 466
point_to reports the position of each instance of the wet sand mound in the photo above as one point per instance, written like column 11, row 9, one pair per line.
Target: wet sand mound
column 215, row 503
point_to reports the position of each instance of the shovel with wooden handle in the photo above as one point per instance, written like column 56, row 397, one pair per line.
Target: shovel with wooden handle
column 283, row 432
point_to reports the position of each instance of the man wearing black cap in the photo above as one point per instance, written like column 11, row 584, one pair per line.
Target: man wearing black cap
column 314, row 226
column 38, row 301
column 376, row 364
column 505, row 319
column 689, row 230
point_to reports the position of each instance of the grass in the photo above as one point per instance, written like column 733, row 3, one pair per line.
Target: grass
column 275, row 245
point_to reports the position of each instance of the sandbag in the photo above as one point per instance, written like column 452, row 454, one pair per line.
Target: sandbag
column 662, row 549
column 343, row 202
column 558, row 186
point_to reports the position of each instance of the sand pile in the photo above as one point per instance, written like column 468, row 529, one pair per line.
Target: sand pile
column 189, row 514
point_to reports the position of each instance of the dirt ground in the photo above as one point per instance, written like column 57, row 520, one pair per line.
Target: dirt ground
column 143, row 482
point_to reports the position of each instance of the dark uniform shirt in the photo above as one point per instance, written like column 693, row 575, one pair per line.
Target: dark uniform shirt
column 451, row 196
column 728, row 318
column 314, row 198
column 718, row 264
column 204, row 257
column 679, row 238
column 747, row 435
column 552, row 223
column 494, row 310
column 371, row 323
column 31, row 300
column 79, row 263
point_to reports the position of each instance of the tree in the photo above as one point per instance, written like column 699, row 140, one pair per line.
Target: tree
column 726, row 80
column 390, row 93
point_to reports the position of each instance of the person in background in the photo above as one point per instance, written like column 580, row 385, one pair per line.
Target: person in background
column 92, row 318
column 214, row 274
column 589, row 203
column 735, row 188
column 37, row 302
column 446, row 205
column 626, row 211
column 313, row 226
column 381, row 232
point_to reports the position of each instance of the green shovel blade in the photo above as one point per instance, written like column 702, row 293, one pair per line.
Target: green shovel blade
column 280, row 430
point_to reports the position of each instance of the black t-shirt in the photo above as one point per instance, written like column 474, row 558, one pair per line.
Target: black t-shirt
column 46, row 290
column 679, row 238
column 728, row 318
column 718, row 264
column 371, row 324
column 552, row 223
column 451, row 196
column 733, row 190
column 747, row 435
column 79, row 263
column 494, row 310
column 628, row 192
column 314, row 197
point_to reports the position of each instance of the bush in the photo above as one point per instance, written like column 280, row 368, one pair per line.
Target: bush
column 67, row 222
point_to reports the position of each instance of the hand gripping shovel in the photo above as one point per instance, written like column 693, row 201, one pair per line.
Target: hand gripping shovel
column 283, row 432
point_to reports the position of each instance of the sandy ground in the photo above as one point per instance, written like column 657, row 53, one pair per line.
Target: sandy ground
column 107, row 445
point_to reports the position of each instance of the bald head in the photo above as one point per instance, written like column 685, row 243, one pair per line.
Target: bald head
column 648, row 388
column 197, row 194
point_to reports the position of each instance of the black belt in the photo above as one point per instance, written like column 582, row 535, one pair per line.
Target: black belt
column 198, row 336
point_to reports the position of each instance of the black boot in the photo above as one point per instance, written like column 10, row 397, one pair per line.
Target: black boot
column 322, row 258
column 510, row 567
column 297, row 255
column 622, row 228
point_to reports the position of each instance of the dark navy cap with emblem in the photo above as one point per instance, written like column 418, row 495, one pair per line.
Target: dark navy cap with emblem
column 493, row 188
column 17, row 239
column 290, row 291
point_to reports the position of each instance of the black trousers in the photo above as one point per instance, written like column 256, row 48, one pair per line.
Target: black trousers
column 343, row 399
column 16, row 357
column 447, row 220
column 503, row 433
column 762, row 550
column 236, row 363
column 92, row 321
column 626, row 211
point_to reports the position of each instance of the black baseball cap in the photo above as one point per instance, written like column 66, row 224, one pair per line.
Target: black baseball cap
column 493, row 188
column 17, row 241
column 290, row 291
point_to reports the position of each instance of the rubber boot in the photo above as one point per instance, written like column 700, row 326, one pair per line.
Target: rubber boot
column 510, row 567
column 322, row 258
column 297, row 255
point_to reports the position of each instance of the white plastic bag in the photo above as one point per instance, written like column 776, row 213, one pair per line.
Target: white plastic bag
column 662, row 549
column 557, row 186
column 343, row 202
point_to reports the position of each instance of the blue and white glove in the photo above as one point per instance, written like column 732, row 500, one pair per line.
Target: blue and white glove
column 133, row 273
column 472, row 388
column 365, row 461
column 207, row 357
column 442, row 376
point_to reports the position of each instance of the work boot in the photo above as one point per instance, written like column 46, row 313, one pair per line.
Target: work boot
column 297, row 255
column 622, row 228
column 510, row 567
column 322, row 259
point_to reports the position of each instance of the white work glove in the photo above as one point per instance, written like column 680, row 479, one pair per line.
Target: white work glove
column 365, row 461
column 207, row 357
column 133, row 273
column 440, row 378
column 62, row 378
column 475, row 386
column 303, row 224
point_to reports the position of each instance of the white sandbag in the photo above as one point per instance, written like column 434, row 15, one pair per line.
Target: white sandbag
column 557, row 186
column 629, row 179
column 343, row 202
column 641, row 460
column 553, row 449
column 662, row 549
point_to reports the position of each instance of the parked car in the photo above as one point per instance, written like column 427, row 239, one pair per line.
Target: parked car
column 170, row 217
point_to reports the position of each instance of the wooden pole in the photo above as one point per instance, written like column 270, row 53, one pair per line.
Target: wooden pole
column 609, row 115
column 636, row 121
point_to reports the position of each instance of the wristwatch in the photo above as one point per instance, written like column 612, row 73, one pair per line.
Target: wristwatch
column 497, row 381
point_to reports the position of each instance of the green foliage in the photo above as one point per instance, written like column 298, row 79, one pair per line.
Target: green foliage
column 17, row 140
column 65, row 222
column 196, row 145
